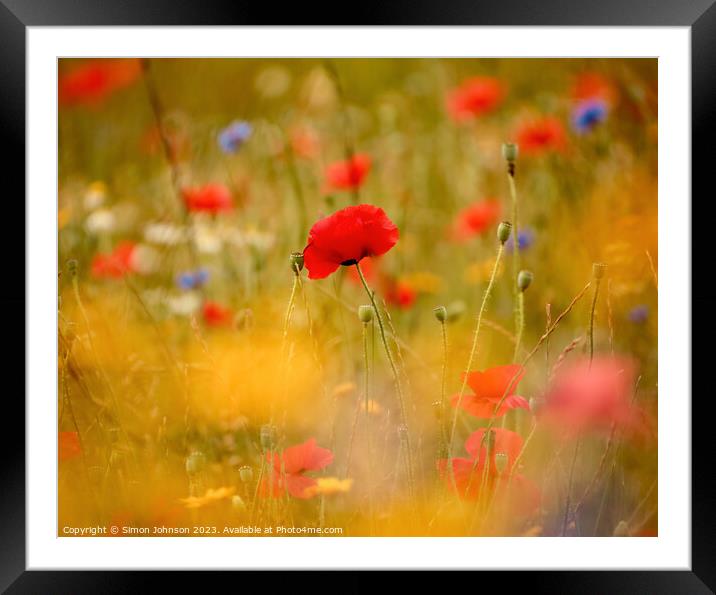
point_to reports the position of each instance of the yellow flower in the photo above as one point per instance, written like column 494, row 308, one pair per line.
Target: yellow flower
column 211, row 497
column 328, row 486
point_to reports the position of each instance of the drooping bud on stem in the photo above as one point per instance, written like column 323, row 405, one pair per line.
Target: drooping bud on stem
column 503, row 231
column 524, row 279
column 441, row 313
column 365, row 313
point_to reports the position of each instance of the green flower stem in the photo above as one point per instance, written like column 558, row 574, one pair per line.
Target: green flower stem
column 443, row 432
column 470, row 360
column 396, row 378
column 519, row 300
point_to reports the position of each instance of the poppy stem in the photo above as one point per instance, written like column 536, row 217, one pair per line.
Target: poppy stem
column 396, row 378
column 443, row 381
column 597, row 274
column 483, row 307
column 518, row 297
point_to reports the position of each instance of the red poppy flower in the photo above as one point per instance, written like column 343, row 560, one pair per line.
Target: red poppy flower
column 346, row 237
column 349, row 174
column 510, row 489
column 211, row 198
column 474, row 97
column 115, row 264
column 594, row 396
column 476, row 219
column 94, row 81
column 216, row 315
column 401, row 294
column 68, row 446
column 541, row 135
column 489, row 388
column 289, row 467
column 305, row 142
column 592, row 85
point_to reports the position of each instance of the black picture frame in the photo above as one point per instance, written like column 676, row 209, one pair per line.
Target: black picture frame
column 17, row 15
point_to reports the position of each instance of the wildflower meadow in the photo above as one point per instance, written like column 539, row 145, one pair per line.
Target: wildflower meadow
column 357, row 297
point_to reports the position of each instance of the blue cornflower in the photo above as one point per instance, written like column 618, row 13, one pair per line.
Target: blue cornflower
column 525, row 238
column 233, row 136
column 192, row 279
column 639, row 314
column 587, row 114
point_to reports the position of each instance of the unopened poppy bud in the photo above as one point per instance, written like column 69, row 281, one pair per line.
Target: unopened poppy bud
column 246, row 474
column 237, row 503
column 598, row 270
column 296, row 261
column 510, row 151
column 500, row 462
column 195, row 462
column 268, row 433
column 524, row 279
column 72, row 267
column 440, row 313
column 365, row 314
column 621, row 530
column 503, row 231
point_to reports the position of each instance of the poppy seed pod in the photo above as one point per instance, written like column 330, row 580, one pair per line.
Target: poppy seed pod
column 441, row 313
column 500, row 462
column 195, row 462
column 438, row 409
column 503, row 231
column 598, row 270
column 510, row 151
column 296, row 261
column 72, row 267
column 268, row 433
column 365, row 313
column 524, row 279
column 403, row 432
column 246, row 474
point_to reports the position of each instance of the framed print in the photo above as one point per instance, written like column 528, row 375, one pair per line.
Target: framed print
column 365, row 297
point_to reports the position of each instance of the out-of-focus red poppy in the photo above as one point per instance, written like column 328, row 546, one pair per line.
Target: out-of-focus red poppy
column 348, row 174
column 305, row 142
column 210, row 198
column 592, row 85
column 216, row 314
column 476, row 219
column 541, row 135
column 489, row 388
column 594, row 396
column 509, row 489
column 289, row 468
column 474, row 97
column 95, row 80
column 346, row 237
column 68, row 446
column 401, row 294
column 116, row 264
